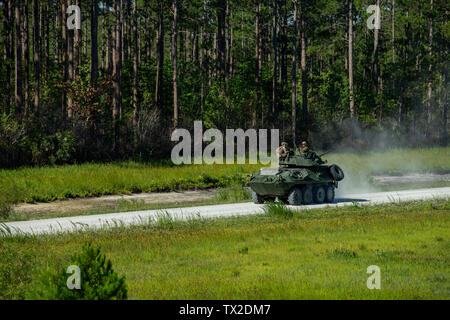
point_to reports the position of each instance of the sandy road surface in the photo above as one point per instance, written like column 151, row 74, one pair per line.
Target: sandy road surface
column 134, row 218
column 111, row 202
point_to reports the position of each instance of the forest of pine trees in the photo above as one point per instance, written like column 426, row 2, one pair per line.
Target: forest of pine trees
column 117, row 87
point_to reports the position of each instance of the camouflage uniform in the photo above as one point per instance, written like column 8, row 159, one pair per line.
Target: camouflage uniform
column 282, row 151
column 309, row 154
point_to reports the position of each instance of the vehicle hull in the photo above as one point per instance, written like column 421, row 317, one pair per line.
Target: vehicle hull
column 271, row 183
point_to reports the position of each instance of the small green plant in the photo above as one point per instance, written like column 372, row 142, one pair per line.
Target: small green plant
column 243, row 250
column 343, row 253
column 98, row 280
column 164, row 220
column 380, row 253
column 278, row 209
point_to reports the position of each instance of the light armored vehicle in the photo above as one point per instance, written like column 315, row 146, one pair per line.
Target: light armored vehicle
column 297, row 180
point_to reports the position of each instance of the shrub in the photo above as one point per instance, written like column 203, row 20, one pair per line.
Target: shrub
column 10, row 194
column 15, row 272
column 54, row 149
column 5, row 207
column 98, row 279
column 12, row 136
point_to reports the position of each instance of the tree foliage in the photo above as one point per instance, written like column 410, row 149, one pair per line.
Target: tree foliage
column 400, row 74
column 98, row 279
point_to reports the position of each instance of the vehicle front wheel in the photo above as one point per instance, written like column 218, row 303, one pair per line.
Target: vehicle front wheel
column 295, row 197
column 257, row 199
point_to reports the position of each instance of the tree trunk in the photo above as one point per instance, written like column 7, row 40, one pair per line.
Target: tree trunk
column 430, row 74
column 350, row 58
column 26, row 54
column 393, row 31
column 149, row 39
column 305, row 117
column 203, row 59
column 47, row 40
column 229, row 37
column 124, row 12
column 258, row 63
column 103, row 32
column 284, row 64
column 37, row 64
column 160, row 59
column 135, row 63
column 77, row 46
column 117, row 74
column 94, row 46
column 70, row 57
column 56, row 30
column 275, row 66
column 174, row 62
column 221, row 55
column 18, row 61
column 109, row 42
column 376, row 72
column 8, row 51
column 64, row 52
column 294, row 73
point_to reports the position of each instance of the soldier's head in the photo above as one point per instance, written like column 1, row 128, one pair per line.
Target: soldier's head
column 284, row 144
column 304, row 145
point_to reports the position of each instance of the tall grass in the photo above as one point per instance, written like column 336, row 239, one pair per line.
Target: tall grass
column 52, row 183
column 278, row 210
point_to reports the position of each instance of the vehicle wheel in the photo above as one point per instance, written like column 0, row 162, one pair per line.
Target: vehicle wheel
column 307, row 195
column 330, row 194
column 336, row 172
column 257, row 199
column 295, row 197
column 319, row 194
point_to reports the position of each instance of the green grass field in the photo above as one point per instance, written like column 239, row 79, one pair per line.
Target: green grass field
column 316, row 254
column 71, row 181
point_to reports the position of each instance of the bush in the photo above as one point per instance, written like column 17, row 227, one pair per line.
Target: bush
column 15, row 272
column 12, row 136
column 54, row 149
column 9, row 195
column 98, row 279
column 5, row 207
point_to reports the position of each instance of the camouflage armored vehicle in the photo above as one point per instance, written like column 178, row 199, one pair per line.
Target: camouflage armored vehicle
column 297, row 180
